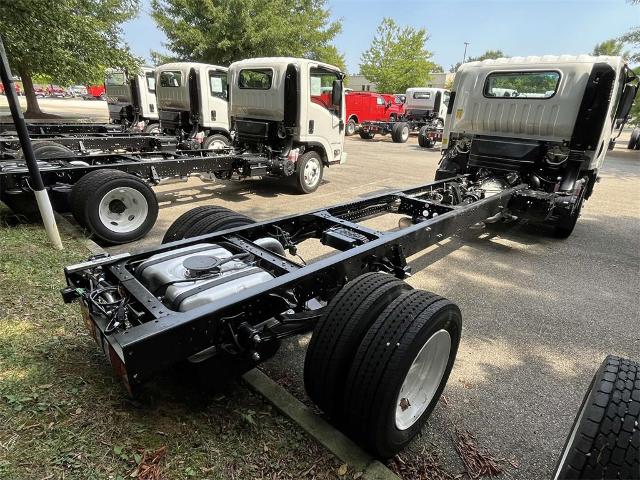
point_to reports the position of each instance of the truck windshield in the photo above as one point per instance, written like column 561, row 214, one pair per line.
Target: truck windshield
column 115, row 79
column 522, row 84
column 171, row 79
column 256, row 79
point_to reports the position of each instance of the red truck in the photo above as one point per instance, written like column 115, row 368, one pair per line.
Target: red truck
column 96, row 91
column 369, row 106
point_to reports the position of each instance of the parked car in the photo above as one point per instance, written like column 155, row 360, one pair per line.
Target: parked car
column 77, row 91
column 96, row 92
column 370, row 106
column 56, row 91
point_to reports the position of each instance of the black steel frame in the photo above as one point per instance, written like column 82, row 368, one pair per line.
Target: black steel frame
column 168, row 337
column 58, row 128
column 385, row 128
column 105, row 141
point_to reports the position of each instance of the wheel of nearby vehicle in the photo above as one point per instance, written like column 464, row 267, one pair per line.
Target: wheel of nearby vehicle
column 215, row 142
column 634, row 139
column 48, row 149
column 423, row 140
column 367, row 135
column 178, row 229
column 400, row 132
column 152, row 128
column 563, row 227
column 400, row 370
column 604, row 441
column 338, row 334
column 115, row 206
column 350, row 129
column 309, row 172
column 218, row 218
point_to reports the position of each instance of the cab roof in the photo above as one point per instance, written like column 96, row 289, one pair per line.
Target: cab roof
column 279, row 62
column 555, row 60
column 188, row 66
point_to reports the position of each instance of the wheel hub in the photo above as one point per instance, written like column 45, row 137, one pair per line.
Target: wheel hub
column 123, row 209
column 422, row 379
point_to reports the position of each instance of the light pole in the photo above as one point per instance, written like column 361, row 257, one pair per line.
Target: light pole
column 464, row 56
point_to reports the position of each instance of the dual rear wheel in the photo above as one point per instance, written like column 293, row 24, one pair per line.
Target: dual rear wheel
column 379, row 359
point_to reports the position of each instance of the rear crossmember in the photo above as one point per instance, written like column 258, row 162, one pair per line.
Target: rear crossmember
column 162, row 337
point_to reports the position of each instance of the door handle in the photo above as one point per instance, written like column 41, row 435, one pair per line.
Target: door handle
column 311, row 126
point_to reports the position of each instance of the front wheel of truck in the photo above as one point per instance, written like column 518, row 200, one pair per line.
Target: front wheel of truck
column 309, row 172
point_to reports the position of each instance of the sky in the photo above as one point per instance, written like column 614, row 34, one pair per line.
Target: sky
column 517, row 27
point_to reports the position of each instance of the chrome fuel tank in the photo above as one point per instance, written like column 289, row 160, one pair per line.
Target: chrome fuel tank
column 192, row 276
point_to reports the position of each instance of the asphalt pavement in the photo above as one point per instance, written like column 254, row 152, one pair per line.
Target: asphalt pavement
column 539, row 313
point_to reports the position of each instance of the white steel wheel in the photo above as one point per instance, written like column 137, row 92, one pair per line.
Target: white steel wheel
column 123, row 209
column 405, row 133
column 423, row 379
column 312, row 172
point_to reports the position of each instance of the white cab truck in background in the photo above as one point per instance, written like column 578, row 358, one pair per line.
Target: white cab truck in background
column 131, row 99
column 551, row 132
column 423, row 103
column 291, row 112
column 193, row 103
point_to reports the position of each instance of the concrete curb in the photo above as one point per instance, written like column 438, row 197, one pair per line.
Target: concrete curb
column 335, row 441
column 331, row 438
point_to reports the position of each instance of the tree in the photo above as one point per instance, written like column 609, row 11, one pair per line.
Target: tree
column 224, row 31
column 488, row 55
column 68, row 41
column 632, row 37
column 611, row 47
column 397, row 57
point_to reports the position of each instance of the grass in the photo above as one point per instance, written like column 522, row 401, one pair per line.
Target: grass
column 63, row 414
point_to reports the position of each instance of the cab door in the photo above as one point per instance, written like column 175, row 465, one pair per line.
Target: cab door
column 215, row 108
column 325, row 121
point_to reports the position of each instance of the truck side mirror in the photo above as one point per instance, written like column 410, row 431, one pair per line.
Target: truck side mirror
column 389, row 104
column 625, row 103
column 336, row 93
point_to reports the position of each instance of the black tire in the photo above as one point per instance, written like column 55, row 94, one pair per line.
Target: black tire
column 634, row 139
column 93, row 188
column 309, row 172
column 213, row 139
column 219, row 218
column 423, row 140
column 604, row 440
column 48, row 149
column 350, row 128
column 184, row 222
column 382, row 362
column 367, row 135
column 152, row 128
column 400, row 132
column 563, row 227
column 338, row 334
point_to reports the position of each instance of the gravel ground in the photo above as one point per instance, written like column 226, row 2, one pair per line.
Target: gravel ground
column 539, row 313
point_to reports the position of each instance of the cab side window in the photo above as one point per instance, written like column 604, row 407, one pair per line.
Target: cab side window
column 218, row 84
column 321, row 85
column 380, row 101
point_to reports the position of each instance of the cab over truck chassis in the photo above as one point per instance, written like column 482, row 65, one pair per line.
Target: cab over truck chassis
column 223, row 301
column 425, row 110
column 131, row 99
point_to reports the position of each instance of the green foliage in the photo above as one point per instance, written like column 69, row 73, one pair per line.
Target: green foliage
column 224, row 31
column 397, row 58
column 613, row 47
column 488, row 55
column 632, row 37
column 69, row 41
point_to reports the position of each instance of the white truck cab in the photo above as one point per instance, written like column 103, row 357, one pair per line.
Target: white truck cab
column 545, row 121
column 131, row 99
column 422, row 103
column 193, row 103
column 292, row 111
